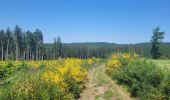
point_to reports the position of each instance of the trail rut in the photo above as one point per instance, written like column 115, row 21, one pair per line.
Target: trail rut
column 102, row 87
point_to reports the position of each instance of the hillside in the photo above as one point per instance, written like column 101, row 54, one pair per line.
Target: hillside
column 140, row 48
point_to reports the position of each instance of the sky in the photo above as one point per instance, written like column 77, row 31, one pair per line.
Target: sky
column 114, row 21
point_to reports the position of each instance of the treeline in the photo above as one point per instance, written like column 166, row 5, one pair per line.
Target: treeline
column 17, row 44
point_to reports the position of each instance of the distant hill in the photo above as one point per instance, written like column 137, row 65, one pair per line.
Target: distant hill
column 142, row 48
column 92, row 44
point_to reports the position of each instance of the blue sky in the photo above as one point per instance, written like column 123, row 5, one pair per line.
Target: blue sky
column 116, row 21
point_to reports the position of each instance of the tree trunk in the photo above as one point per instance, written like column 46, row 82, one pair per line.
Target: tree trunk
column 32, row 56
column 16, row 58
column 27, row 53
column 39, row 53
column 42, row 58
column 7, row 50
column 2, row 57
column 36, row 53
column 24, row 56
column 12, row 55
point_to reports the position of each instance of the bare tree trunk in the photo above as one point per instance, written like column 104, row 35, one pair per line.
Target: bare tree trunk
column 12, row 55
column 33, row 58
column 39, row 53
column 2, row 57
column 27, row 53
column 16, row 58
column 36, row 52
column 7, row 50
column 24, row 56
column 47, row 55
column 30, row 55
column 42, row 58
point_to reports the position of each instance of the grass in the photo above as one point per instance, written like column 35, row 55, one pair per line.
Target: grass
column 99, row 75
column 161, row 62
column 97, row 97
column 102, row 79
column 108, row 94
column 101, row 82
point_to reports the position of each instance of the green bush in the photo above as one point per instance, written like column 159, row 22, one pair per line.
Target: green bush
column 144, row 79
column 165, row 87
column 6, row 70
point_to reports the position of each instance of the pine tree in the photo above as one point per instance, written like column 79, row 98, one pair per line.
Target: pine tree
column 59, row 47
column 55, row 49
column 156, row 39
column 38, row 41
column 9, row 38
column 18, row 41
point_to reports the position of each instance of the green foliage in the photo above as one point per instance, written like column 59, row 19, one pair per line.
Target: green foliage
column 75, row 89
column 165, row 87
column 108, row 94
column 144, row 79
column 43, row 80
column 156, row 39
column 6, row 70
column 33, row 88
column 97, row 97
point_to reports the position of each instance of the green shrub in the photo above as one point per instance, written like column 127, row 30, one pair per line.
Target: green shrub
column 6, row 70
column 165, row 87
column 144, row 79
column 108, row 94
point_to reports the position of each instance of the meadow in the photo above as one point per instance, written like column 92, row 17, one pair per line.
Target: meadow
column 121, row 76
column 161, row 62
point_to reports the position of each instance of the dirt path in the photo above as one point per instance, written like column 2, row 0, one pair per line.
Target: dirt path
column 102, row 87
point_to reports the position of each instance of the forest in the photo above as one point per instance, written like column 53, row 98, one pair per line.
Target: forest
column 17, row 44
